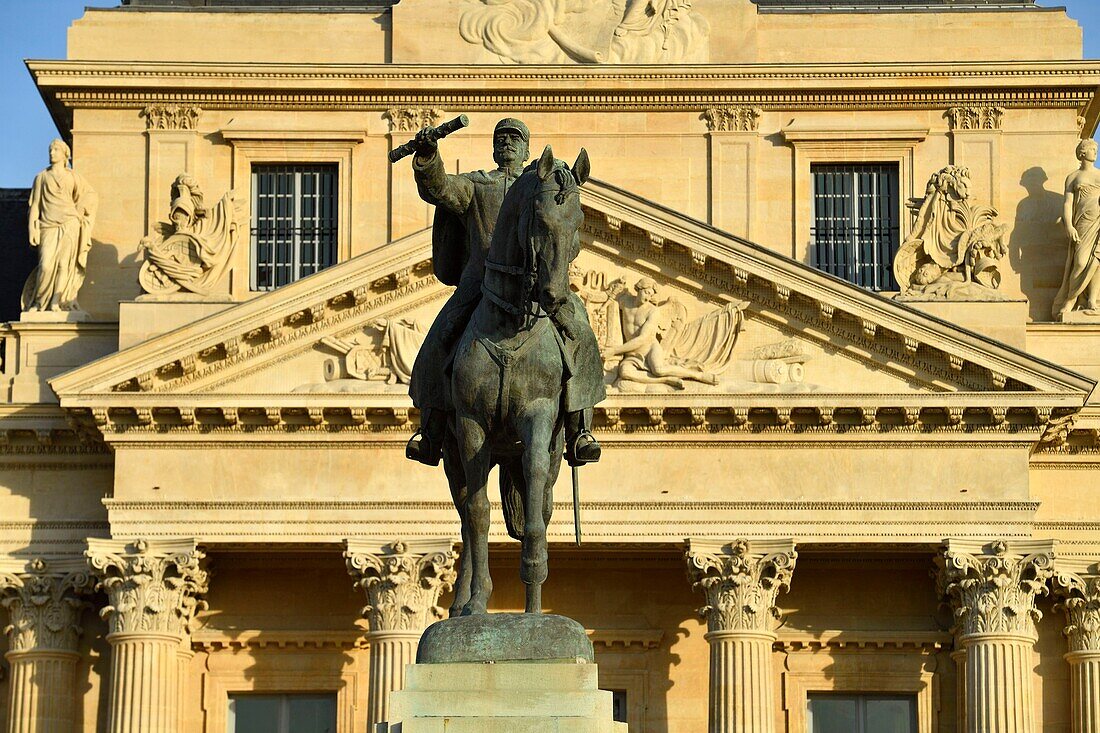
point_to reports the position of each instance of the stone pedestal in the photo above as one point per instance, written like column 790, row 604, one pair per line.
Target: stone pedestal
column 153, row 591
column 992, row 588
column 44, row 604
column 521, row 697
column 541, row 679
column 403, row 582
column 741, row 580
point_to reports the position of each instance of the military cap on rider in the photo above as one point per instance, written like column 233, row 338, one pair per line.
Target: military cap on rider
column 514, row 125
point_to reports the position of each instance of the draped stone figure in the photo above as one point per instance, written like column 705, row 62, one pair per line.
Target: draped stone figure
column 1081, row 218
column 193, row 252
column 62, row 213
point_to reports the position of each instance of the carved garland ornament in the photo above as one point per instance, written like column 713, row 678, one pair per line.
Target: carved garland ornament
column 412, row 119
column 171, row 116
column 402, row 586
column 740, row 584
column 732, row 119
column 44, row 606
column 993, row 590
column 151, row 586
column 1081, row 602
column 982, row 117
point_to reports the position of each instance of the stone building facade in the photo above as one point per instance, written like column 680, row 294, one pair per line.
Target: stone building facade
column 858, row 494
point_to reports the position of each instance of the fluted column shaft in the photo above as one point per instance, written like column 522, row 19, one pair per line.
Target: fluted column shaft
column 999, row 684
column 390, row 651
column 743, row 694
column 1084, row 686
column 42, row 692
column 403, row 582
column 992, row 589
column 741, row 581
column 45, row 606
column 153, row 591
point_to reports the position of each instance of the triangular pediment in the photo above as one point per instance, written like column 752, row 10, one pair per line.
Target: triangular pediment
column 744, row 329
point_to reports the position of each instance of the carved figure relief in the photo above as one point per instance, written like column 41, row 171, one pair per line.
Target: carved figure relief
column 956, row 246
column 378, row 360
column 192, row 251
column 650, row 344
column 62, row 213
column 587, row 31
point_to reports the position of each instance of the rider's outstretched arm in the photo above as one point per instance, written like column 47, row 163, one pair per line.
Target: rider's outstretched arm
column 453, row 193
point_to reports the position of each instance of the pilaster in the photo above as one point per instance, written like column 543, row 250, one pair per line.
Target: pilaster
column 44, row 603
column 741, row 581
column 1079, row 591
column 733, row 135
column 408, row 213
column 153, row 591
column 403, row 582
column 976, row 137
column 992, row 590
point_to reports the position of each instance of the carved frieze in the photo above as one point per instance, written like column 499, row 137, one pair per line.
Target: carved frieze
column 151, row 586
column 380, row 359
column 976, row 117
column 44, row 604
column 732, row 119
column 992, row 588
column 411, row 119
column 587, row 32
column 403, row 581
column 1079, row 595
column 741, row 581
column 171, row 116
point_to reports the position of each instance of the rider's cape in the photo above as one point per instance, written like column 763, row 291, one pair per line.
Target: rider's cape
column 450, row 246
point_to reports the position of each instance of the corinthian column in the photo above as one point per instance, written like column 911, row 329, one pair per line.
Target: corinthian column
column 741, row 581
column 992, row 589
column 44, row 606
column 153, row 591
column 403, row 582
column 1079, row 590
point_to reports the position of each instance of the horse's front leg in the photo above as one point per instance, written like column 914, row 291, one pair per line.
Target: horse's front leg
column 474, row 450
column 538, row 432
column 452, row 465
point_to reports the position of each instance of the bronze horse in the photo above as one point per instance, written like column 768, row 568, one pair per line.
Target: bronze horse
column 507, row 379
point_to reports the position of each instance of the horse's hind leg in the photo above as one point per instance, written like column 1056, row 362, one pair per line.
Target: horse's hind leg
column 536, row 471
column 452, row 465
column 474, row 450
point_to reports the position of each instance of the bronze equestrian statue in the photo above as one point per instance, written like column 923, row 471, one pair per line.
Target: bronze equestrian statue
column 510, row 370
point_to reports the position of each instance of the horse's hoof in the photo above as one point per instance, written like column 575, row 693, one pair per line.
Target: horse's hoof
column 474, row 609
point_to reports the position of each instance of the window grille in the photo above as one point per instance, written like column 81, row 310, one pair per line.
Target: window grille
column 294, row 223
column 282, row 713
column 855, row 234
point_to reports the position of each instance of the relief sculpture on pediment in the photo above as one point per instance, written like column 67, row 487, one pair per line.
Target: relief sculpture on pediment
column 651, row 343
column 587, row 31
column 379, row 359
column 191, row 252
column 956, row 247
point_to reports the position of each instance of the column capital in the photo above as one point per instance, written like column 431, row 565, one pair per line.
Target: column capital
column 152, row 586
column 1077, row 586
column 992, row 586
column 403, row 580
column 741, row 580
column 44, row 603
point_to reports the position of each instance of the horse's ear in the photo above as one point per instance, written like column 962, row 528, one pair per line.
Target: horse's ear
column 582, row 169
column 546, row 163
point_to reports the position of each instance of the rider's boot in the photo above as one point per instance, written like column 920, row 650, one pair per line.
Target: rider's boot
column 426, row 444
column 581, row 446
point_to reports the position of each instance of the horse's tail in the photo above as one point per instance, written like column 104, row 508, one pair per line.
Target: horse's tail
column 511, row 496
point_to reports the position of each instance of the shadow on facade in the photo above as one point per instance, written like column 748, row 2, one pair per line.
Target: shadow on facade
column 1037, row 248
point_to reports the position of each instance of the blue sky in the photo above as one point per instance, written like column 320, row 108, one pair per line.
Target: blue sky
column 36, row 29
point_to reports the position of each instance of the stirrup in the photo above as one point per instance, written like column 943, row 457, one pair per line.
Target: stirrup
column 423, row 449
column 583, row 449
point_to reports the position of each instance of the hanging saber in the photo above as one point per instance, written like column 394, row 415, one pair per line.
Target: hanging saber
column 437, row 133
column 577, row 503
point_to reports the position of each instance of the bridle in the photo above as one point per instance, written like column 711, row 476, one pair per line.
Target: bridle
column 566, row 184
